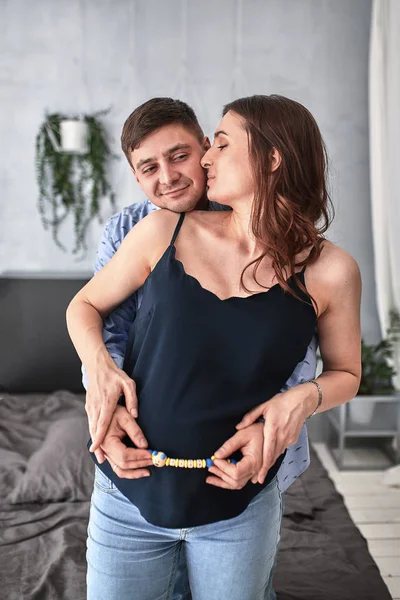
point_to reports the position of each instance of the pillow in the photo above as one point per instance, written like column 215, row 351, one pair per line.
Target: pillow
column 61, row 469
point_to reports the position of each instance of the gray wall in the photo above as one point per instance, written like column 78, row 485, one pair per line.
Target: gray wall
column 80, row 56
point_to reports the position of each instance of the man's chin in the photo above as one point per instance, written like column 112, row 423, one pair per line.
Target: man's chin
column 179, row 205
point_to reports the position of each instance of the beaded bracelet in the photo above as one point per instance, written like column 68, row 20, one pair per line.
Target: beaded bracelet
column 162, row 460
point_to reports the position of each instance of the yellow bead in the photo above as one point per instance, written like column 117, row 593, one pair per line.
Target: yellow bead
column 213, row 458
column 177, row 462
column 186, row 464
column 167, row 462
column 194, row 464
column 204, row 463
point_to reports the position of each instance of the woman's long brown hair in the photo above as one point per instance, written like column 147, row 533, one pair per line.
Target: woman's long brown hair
column 291, row 209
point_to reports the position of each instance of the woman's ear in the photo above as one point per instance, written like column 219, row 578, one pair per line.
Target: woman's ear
column 276, row 159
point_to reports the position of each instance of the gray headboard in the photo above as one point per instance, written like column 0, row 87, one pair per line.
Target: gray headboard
column 36, row 354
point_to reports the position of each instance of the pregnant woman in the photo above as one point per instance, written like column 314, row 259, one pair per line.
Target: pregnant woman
column 231, row 301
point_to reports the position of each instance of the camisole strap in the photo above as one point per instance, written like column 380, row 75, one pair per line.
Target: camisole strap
column 177, row 228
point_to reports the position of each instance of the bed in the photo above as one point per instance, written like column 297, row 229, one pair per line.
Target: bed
column 46, row 475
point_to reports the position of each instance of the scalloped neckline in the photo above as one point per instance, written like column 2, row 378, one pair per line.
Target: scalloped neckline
column 263, row 293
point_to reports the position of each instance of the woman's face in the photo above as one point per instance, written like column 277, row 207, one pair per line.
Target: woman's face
column 230, row 177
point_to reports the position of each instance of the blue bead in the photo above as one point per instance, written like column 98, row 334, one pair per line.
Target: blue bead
column 233, row 461
column 163, row 455
column 209, row 462
column 151, row 451
column 154, row 452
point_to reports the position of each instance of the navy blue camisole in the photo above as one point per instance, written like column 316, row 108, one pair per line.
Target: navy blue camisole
column 200, row 363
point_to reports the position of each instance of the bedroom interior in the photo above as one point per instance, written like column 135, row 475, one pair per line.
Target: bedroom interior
column 341, row 527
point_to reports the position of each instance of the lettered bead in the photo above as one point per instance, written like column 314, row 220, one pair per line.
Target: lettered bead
column 171, row 462
column 199, row 463
column 181, row 463
column 190, row 464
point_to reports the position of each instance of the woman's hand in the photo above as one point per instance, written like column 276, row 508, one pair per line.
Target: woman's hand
column 107, row 383
column 284, row 416
column 234, row 477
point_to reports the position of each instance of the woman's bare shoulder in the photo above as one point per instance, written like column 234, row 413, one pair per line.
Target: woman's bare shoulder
column 333, row 275
column 335, row 264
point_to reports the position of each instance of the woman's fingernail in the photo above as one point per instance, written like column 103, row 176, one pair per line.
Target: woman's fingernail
column 134, row 413
column 142, row 443
column 218, row 453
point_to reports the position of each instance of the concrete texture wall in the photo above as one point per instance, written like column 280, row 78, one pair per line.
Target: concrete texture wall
column 82, row 56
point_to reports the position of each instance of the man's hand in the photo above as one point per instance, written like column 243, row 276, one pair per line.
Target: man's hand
column 127, row 462
column 284, row 416
column 234, row 477
column 106, row 385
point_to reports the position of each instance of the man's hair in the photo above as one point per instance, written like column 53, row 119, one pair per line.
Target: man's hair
column 153, row 115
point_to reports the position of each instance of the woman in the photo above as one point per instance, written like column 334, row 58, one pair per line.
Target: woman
column 220, row 330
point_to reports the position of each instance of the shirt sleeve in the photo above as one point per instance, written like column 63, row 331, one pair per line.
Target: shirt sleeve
column 116, row 326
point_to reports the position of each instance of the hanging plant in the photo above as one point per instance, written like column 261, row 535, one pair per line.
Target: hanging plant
column 72, row 156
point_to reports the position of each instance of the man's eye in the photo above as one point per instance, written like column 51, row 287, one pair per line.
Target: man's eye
column 148, row 170
column 179, row 156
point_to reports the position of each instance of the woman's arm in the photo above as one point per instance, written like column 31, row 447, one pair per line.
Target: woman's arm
column 335, row 282
column 122, row 275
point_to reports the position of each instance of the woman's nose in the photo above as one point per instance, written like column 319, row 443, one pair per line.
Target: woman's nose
column 206, row 160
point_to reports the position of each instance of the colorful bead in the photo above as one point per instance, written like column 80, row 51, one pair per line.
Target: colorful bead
column 186, row 463
column 159, row 459
column 209, row 462
column 167, row 463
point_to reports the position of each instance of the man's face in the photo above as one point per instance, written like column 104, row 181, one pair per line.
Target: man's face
column 168, row 170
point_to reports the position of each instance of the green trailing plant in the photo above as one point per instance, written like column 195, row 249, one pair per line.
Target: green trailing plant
column 377, row 360
column 69, row 183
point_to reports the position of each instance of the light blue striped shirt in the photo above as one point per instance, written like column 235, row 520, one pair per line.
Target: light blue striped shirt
column 118, row 323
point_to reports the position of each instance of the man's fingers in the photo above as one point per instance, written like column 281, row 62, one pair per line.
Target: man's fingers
column 250, row 417
column 131, row 401
column 103, row 424
column 268, row 454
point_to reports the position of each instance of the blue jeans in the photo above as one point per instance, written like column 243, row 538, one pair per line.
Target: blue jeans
column 131, row 559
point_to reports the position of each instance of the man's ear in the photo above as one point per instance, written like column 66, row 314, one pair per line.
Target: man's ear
column 206, row 143
column 134, row 174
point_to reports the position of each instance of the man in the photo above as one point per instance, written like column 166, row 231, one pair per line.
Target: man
column 163, row 143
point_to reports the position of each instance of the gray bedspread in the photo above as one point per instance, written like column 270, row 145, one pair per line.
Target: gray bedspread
column 46, row 478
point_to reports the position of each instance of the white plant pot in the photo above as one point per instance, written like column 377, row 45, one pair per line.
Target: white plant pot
column 74, row 136
column 360, row 411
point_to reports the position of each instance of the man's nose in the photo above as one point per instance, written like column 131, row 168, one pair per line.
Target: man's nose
column 168, row 175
